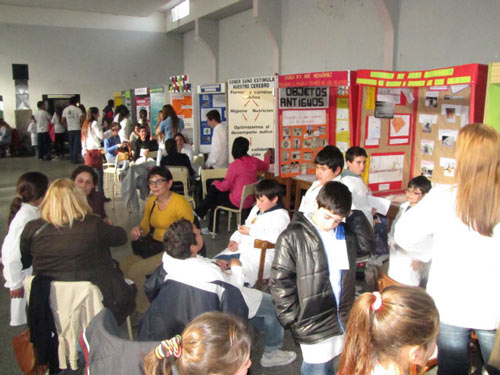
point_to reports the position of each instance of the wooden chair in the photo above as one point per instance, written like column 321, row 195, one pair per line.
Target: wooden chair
column 383, row 281
column 263, row 245
column 247, row 190
column 207, row 174
column 181, row 174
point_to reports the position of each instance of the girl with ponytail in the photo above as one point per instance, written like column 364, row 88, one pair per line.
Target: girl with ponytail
column 31, row 188
column 92, row 136
column 389, row 331
column 213, row 343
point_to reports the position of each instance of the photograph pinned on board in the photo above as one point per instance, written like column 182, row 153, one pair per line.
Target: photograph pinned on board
column 207, row 131
column 285, row 143
column 296, row 155
column 448, row 165
column 451, row 112
column 303, row 168
column 427, row 168
column 297, row 132
column 285, row 169
column 426, row 147
column 295, row 167
column 308, row 143
column 448, row 137
column 322, row 130
column 205, row 139
column 309, row 131
column 427, row 127
column 285, row 156
column 286, row 132
column 384, row 109
column 296, row 143
column 308, row 156
column 431, row 99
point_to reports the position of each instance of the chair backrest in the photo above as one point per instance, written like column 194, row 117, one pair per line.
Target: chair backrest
column 180, row 174
column 207, row 174
column 199, row 160
column 247, row 190
column 73, row 306
column 263, row 245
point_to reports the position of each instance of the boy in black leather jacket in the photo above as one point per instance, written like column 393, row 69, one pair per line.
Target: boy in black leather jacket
column 313, row 275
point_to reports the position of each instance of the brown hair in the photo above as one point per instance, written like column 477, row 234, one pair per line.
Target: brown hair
column 213, row 343
column 407, row 316
column 169, row 111
column 478, row 177
column 30, row 187
column 92, row 115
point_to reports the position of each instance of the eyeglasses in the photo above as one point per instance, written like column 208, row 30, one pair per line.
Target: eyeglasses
column 156, row 182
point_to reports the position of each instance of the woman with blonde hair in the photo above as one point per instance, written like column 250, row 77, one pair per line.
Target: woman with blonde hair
column 461, row 224
column 389, row 331
column 69, row 243
column 213, row 343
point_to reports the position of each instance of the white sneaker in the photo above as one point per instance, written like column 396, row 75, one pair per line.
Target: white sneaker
column 277, row 358
column 205, row 231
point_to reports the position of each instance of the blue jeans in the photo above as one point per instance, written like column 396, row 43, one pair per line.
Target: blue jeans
column 317, row 368
column 75, row 145
column 453, row 348
column 267, row 323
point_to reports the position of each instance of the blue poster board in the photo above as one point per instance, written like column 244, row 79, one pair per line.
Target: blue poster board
column 210, row 97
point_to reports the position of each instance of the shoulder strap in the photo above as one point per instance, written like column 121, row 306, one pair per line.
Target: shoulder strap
column 151, row 228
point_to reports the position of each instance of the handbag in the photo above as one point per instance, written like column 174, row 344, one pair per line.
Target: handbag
column 93, row 159
column 147, row 246
column 25, row 354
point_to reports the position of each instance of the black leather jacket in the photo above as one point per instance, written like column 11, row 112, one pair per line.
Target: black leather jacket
column 300, row 284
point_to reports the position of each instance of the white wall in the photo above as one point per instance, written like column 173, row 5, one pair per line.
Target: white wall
column 244, row 48
column 197, row 60
column 434, row 34
column 91, row 62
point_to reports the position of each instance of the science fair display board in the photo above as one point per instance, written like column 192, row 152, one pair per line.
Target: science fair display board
column 251, row 104
column 492, row 107
column 210, row 97
column 409, row 122
column 181, row 98
column 157, row 96
column 142, row 102
column 315, row 109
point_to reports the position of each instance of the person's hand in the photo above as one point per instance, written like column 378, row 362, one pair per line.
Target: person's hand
column 223, row 264
column 213, row 182
column 243, row 229
column 232, row 245
column 234, row 263
column 17, row 293
column 135, row 233
column 268, row 154
column 107, row 220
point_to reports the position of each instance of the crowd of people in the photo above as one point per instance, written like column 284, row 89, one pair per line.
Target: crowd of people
column 444, row 250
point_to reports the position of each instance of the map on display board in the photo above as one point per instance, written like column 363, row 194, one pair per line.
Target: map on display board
column 210, row 97
column 251, row 112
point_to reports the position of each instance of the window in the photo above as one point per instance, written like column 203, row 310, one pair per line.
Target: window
column 180, row 11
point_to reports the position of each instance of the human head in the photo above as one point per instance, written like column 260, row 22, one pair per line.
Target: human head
column 159, row 180
column 267, row 194
column 168, row 111
column 30, row 188
column 64, row 203
column 182, row 239
column 73, row 100
column 397, row 327
column 115, row 128
column 93, row 114
column 355, row 158
column 329, row 163
column 85, row 178
column 82, row 108
column 179, row 141
column 213, row 118
column 111, row 102
column 143, row 132
column 334, row 204
column 170, row 146
column 213, row 343
column 143, row 114
column 40, row 105
column 417, row 188
column 240, row 147
column 478, row 177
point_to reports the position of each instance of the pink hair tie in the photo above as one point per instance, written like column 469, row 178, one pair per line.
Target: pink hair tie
column 377, row 303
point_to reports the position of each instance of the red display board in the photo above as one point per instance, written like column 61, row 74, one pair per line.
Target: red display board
column 409, row 121
column 314, row 110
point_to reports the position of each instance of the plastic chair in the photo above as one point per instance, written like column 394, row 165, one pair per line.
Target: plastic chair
column 263, row 245
column 207, row 174
column 73, row 306
column 247, row 190
column 181, row 174
column 199, row 160
column 112, row 171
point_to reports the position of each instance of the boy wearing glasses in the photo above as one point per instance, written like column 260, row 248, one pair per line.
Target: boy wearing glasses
column 313, row 276
column 402, row 267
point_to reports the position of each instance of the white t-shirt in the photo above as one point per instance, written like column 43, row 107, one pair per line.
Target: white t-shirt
column 94, row 137
column 218, row 157
column 72, row 114
column 42, row 118
column 58, row 127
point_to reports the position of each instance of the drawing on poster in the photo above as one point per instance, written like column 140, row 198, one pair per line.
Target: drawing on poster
column 427, row 167
column 386, row 168
column 448, row 165
column 431, row 99
column 285, row 156
column 374, row 126
column 285, row 168
column 308, row 156
column 296, row 143
column 285, row 143
column 296, row 155
column 400, row 126
column 286, row 132
column 307, row 143
column 426, row 147
column 297, row 132
column 295, row 167
column 448, row 137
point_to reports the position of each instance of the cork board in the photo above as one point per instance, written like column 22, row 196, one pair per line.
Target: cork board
column 390, row 154
column 441, row 114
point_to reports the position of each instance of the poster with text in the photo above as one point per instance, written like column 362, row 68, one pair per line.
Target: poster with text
column 183, row 106
column 157, row 100
column 251, row 113
column 210, row 97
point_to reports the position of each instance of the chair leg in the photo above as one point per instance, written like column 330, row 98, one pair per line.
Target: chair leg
column 129, row 329
column 214, row 223
column 229, row 217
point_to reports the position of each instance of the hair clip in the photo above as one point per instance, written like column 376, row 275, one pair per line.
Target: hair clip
column 172, row 348
column 377, row 303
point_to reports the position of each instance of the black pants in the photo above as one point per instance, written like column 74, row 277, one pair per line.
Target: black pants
column 43, row 145
column 59, row 144
column 213, row 199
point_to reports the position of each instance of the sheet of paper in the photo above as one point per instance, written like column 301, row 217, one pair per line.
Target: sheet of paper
column 342, row 126
column 398, row 141
column 448, row 137
column 448, row 165
column 409, row 95
column 219, row 100
column 342, row 113
column 427, row 168
column 446, row 108
column 370, row 98
column 386, row 168
column 372, row 142
column 400, row 126
column 457, row 88
column 343, row 146
column 432, row 119
column 426, row 146
column 380, row 204
column 306, row 117
column 374, row 125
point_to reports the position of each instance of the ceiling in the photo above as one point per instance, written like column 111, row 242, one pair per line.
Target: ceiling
column 138, row 8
